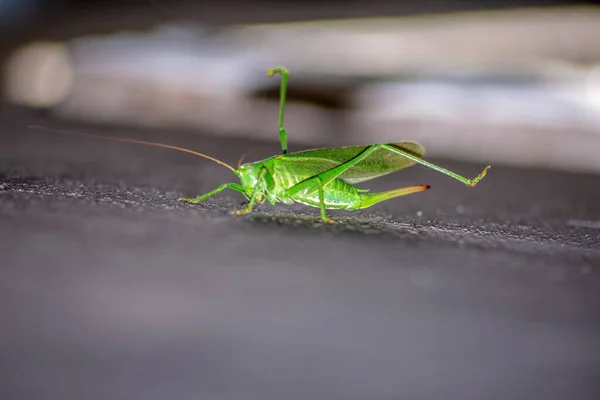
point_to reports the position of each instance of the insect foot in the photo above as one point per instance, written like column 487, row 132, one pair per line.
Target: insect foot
column 479, row 177
column 240, row 212
column 191, row 201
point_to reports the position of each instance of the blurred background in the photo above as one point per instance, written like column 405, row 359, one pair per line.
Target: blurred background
column 525, row 73
column 111, row 289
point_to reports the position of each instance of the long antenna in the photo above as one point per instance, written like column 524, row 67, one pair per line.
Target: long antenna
column 118, row 139
column 246, row 153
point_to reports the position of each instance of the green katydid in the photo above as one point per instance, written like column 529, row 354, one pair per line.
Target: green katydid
column 321, row 178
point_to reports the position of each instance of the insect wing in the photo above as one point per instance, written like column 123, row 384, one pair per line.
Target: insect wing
column 381, row 162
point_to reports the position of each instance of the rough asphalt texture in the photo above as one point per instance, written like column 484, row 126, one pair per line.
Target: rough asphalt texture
column 112, row 289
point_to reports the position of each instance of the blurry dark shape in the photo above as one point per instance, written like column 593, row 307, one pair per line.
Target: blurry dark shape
column 13, row 12
column 327, row 92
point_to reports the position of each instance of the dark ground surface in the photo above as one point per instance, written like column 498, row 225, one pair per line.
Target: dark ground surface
column 111, row 289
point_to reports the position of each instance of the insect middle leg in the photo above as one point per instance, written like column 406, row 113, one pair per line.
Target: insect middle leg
column 322, row 203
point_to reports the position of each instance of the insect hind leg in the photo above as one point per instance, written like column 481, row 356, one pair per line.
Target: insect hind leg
column 469, row 182
column 311, row 185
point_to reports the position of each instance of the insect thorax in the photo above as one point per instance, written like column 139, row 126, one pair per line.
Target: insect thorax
column 274, row 179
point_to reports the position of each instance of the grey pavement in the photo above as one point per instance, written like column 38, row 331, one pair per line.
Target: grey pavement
column 112, row 289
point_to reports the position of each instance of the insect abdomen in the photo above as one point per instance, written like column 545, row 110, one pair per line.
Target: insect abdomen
column 338, row 195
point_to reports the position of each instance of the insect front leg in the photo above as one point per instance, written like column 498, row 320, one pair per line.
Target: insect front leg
column 200, row 199
column 282, row 99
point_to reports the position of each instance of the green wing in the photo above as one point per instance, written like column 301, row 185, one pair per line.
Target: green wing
column 381, row 162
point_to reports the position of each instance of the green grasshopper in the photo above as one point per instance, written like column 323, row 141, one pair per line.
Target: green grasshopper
column 322, row 178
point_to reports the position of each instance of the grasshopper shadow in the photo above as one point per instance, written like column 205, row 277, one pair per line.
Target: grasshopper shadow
column 364, row 225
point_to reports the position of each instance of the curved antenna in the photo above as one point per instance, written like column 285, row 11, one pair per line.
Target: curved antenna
column 118, row 139
column 246, row 153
